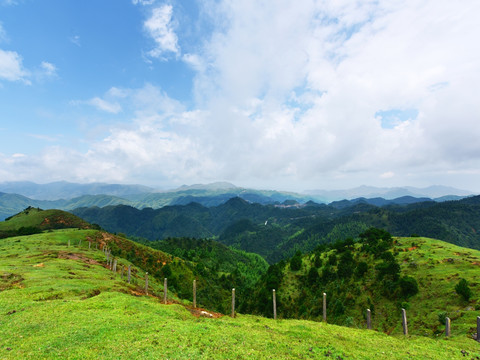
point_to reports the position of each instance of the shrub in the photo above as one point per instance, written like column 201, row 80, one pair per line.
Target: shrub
column 463, row 290
column 442, row 316
column 408, row 286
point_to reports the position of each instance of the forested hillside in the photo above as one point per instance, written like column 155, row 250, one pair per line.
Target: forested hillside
column 276, row 232
column 431, row 279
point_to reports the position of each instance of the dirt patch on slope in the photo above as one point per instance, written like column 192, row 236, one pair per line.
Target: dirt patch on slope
column 72, row 256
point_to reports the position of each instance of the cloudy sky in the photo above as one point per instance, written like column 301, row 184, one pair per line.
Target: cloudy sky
column 278, row 94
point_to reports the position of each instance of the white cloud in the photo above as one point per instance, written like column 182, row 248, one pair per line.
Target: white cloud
column 101, row 104
column 143, row 2
column 160, row 28
column 286, row 95
column 349, row 60
column 9, row 2
column 43, row 137
column 47, row 70
column 11, row 67
column 3, row 34
column 75, row 40
column 387, row 175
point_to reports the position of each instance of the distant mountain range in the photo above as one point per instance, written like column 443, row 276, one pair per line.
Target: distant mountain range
column 433, row 192
column 16, row 196
column 66, row 190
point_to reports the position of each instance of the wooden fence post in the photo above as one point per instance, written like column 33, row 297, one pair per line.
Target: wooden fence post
column 447, row 326
column 369, row 319
column 325, row 307
column 274, row 305
column 404, row 322
column 165, row 291
column 114, row 266
column 129, row 273
column 194, row 294
column 478, row 328
column 68, row 242
column 146, row 282
column 233, row 303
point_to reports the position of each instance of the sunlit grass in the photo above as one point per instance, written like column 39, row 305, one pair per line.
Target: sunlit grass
column 60, row 302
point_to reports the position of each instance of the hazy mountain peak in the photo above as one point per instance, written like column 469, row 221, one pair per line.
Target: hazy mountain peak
column 219, row 185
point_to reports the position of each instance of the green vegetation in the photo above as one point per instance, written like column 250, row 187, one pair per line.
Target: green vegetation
column 62, row 302
column 34, row 220
column 44, row 220
column 212, row 258
column 277, row 232
column 217, row 268
column 462, row 289
column 380, row 273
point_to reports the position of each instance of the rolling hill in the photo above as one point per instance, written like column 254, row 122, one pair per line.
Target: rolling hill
column 63, row 302
column 216, row 272
column 381, row 274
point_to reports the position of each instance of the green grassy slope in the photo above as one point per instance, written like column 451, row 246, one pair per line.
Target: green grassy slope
column 61, row 302
column 245, row 268
column 435, row 265
column 44, row 220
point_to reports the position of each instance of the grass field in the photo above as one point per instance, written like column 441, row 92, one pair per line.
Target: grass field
column 60, row 302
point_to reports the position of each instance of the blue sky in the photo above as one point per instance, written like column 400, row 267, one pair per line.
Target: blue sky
column 269, row 94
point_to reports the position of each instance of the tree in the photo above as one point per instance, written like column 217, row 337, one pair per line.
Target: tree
column 296, row 261
column 362, row 268
column 463, row 290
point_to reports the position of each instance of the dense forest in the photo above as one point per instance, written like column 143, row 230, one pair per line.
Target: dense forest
column 277, row 232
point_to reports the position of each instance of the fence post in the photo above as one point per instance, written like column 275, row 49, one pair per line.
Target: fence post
column 129, row 273
column 478, row 328
column 165, row 291
column 146, row 282
column 369, row 319
column 274, row 305
column 194, row 294
column 404, row 322
column 233, row 303
column 447, row 326
column 68, row 242
column 325, row 307
column 114, row 266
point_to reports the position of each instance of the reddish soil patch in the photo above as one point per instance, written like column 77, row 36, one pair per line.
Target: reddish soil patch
column 199, row 312
column 72, row 256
